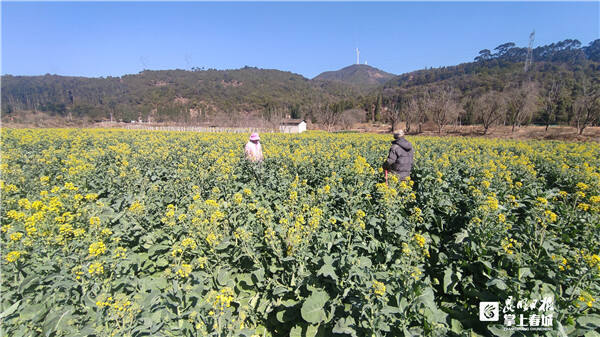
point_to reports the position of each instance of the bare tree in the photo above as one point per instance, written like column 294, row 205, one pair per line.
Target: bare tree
column 392, row 110
column 442, row 106
column 550, row 101
column 469, row 105
column 587, row 106
column 112, row 105
column 372, row 107
column 272, row 115
column 410, row 112
column 72, row 104
column 520, row 104
column 414, row 111
column 369, row 104
column 422, row 106
column 330, row 116
column 376, row 108
column 489, row 108
column 350, row 117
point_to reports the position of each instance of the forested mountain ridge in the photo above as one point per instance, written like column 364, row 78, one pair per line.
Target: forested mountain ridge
column 164, row 94
column 561, row 73
column 508, row 60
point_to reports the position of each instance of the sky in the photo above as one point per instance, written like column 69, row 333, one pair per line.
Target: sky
column 99, row 39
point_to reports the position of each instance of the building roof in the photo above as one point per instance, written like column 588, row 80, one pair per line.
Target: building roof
column 290, row 121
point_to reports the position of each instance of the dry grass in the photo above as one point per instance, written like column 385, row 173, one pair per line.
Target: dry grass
column 567, row 133
column 530, row 132
column 41, row 120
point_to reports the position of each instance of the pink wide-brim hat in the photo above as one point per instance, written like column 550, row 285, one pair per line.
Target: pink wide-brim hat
column 254, row 136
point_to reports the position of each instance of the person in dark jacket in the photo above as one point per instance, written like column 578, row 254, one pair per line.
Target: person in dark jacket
column 400, row 158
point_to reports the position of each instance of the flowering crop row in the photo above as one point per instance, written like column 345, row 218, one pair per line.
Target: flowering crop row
column 131, row 233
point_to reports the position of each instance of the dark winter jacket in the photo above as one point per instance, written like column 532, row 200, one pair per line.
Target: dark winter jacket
column 400, row 158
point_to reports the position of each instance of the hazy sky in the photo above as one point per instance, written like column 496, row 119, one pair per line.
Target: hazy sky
column 117, row 38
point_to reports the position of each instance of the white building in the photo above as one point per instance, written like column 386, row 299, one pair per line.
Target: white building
column 292, row 126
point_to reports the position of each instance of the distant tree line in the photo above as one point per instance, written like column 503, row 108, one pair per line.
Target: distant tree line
column 557, row 100
column 561, row 87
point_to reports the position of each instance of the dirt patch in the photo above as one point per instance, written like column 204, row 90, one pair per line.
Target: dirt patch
column 160, row 83
column 232, row 83
column 181, row 100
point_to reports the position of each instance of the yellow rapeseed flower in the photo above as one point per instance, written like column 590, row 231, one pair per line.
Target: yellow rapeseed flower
column 97, row 248
column 188, row 242
column 136, row 207
column 420, row 240
column 96, row 268
column 551, row 216
column 13, row 256
column 583, row 206
column 184, row 271
column 94, row 220
column 378, row 288
column 416, row 273
column 119, row 253
column 16, row 236
column 202, row 262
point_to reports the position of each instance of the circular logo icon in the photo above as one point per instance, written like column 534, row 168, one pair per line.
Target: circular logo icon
column 489, row 311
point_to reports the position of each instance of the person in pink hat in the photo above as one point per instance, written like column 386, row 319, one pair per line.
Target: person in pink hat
column 253, row 149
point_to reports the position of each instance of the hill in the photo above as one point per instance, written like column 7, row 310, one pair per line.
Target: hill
column 494, row 70
column 175, row 95
column 360, row 75
column 563, row 82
